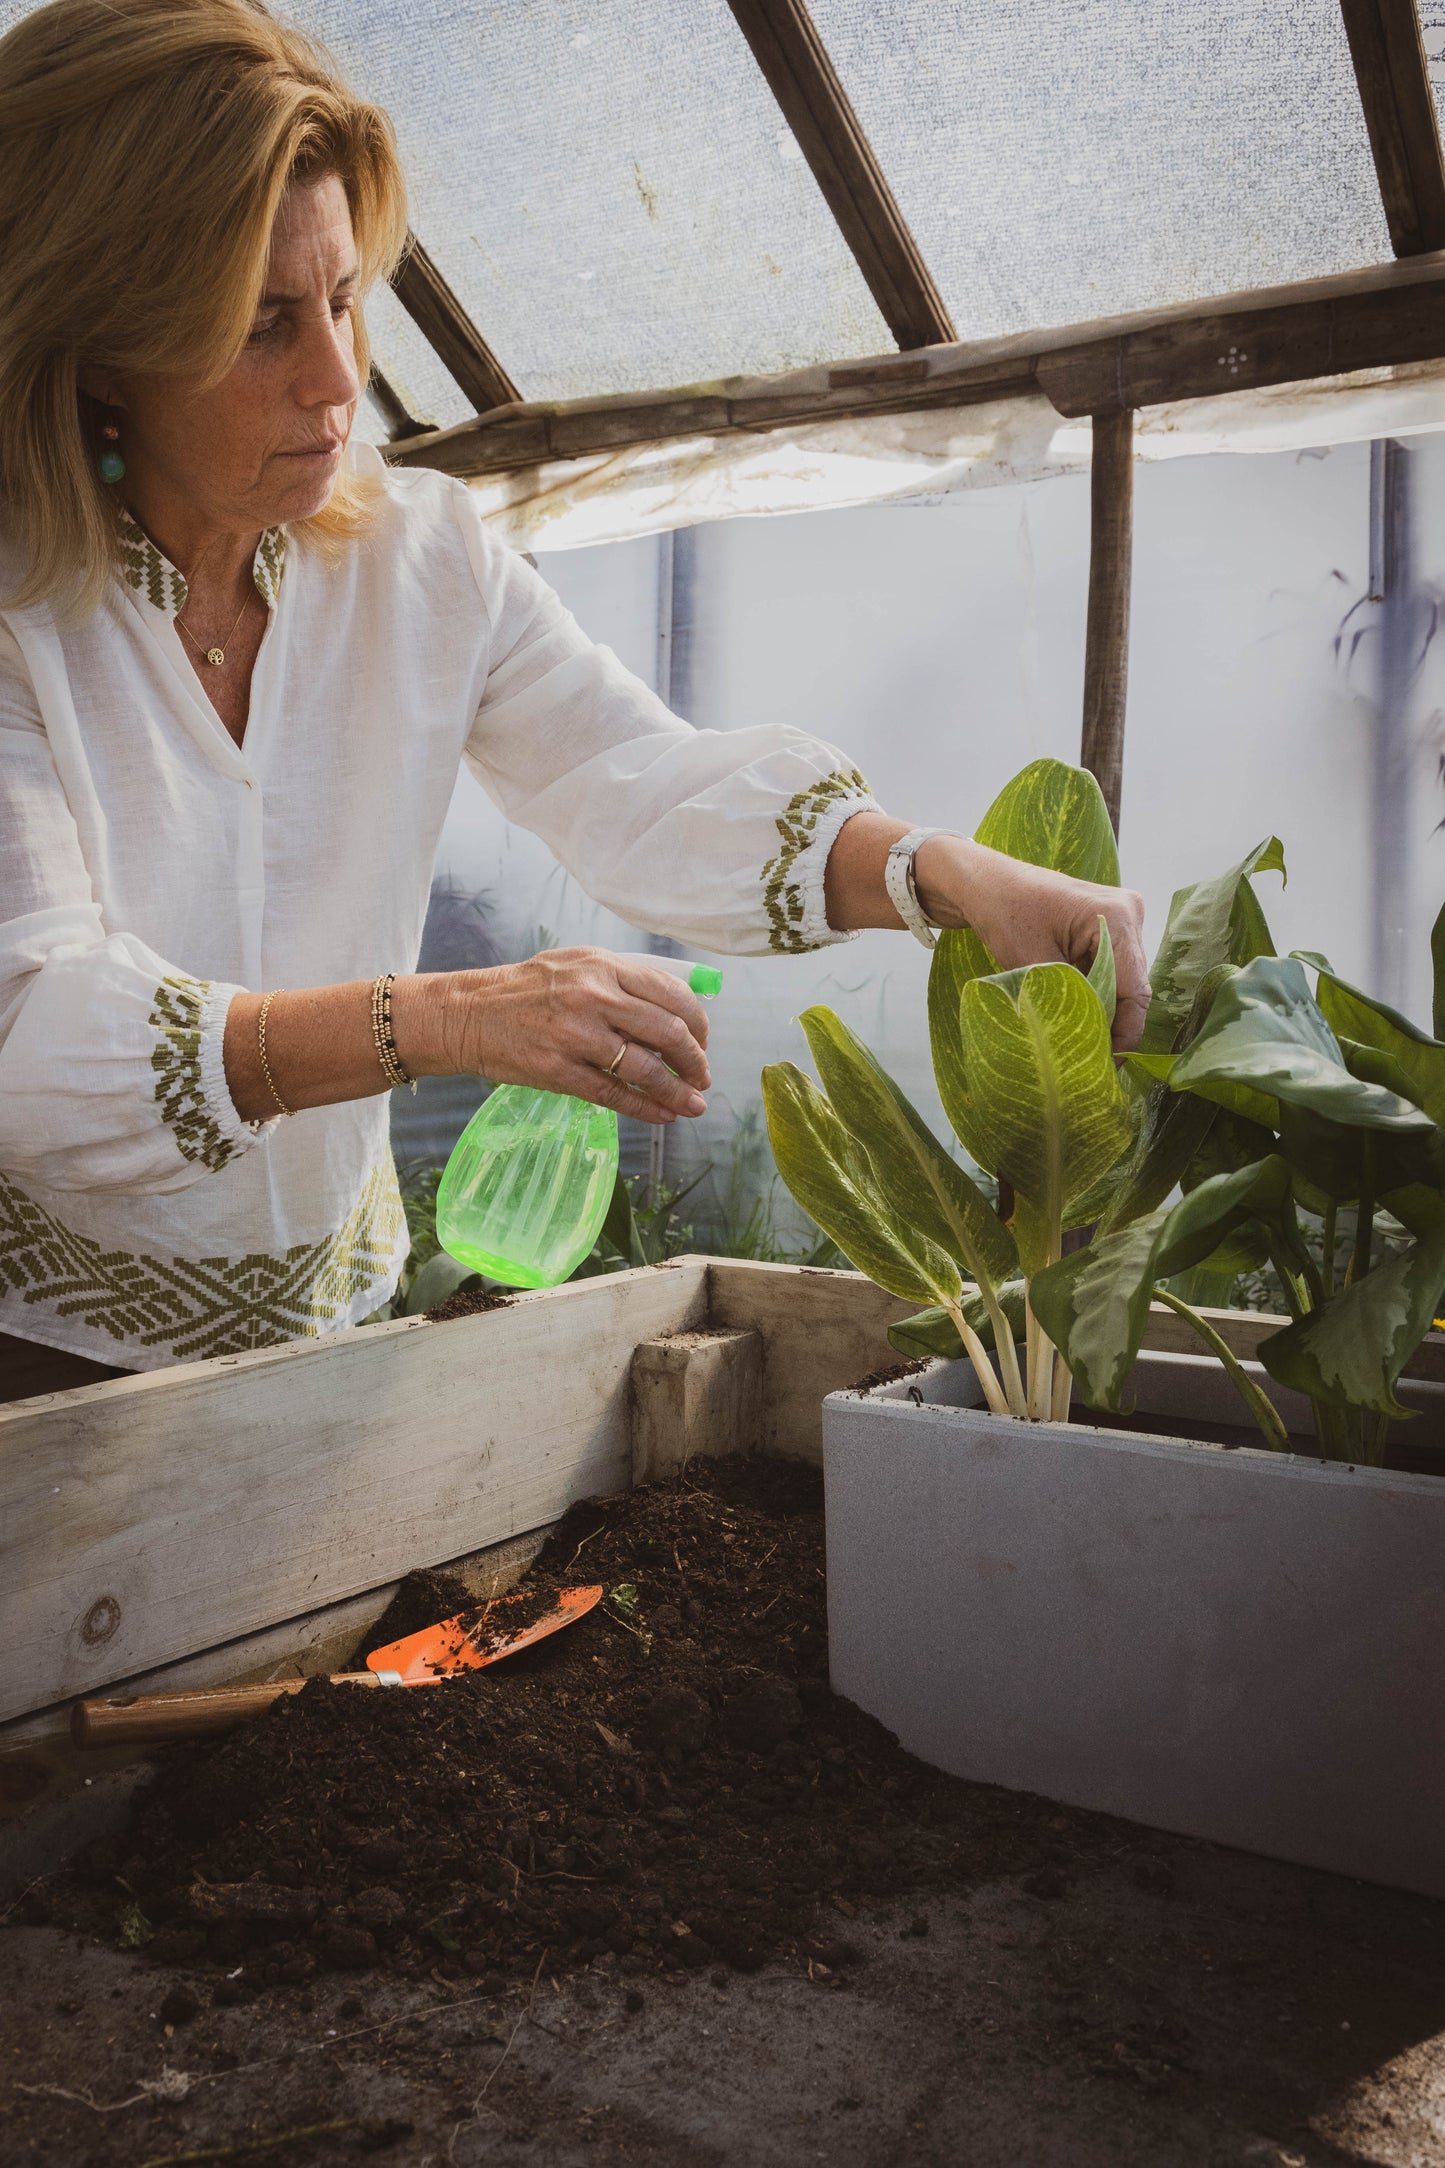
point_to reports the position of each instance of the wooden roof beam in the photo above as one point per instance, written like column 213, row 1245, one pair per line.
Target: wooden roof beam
column 453, row 337
column 1388, row 51
column 1385, row 316
column 786, row 46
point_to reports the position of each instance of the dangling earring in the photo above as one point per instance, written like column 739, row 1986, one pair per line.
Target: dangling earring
column 112, row 466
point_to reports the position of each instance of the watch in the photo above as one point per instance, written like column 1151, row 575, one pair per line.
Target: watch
column 899, row 882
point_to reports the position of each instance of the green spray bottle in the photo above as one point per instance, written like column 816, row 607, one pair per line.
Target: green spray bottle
column 527, row 1187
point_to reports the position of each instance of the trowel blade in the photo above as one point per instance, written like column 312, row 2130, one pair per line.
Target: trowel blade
column 474, row 1639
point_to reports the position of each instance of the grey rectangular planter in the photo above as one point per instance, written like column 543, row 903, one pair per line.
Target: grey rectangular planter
column 1211, row 1638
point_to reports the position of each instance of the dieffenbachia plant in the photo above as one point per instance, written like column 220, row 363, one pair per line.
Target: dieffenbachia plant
column 1248, row 1095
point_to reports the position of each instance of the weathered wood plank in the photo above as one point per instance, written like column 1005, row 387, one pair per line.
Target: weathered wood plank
column 150, row 1518
column 820, row 1330
column 445, row 324
column 1106, row 645
column 1388, row 313
column 1388, row 51
column 786, row 46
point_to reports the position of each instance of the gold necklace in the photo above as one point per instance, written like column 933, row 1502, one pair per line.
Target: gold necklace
column 214, row 655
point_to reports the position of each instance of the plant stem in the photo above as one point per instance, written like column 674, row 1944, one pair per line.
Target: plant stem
column 1309, row 1269
column 1063, row 1390
column 1008, row 1354
column 1331, row 1430
column 1041, row 1368
column 978, row 1355
column 1260, row 1406
column 1294, row 1300
column 1364, row 1212
column 1331, row 1212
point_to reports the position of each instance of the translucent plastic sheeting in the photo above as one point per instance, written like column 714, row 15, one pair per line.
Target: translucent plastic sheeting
column 1060, row 160
column 924, row 457
column 1432, row 25
column 608, row 186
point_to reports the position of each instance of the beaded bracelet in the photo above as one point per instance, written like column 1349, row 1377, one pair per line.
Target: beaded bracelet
column 386, row 1052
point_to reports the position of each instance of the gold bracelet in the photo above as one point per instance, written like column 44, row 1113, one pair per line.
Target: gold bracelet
column 265, row 1064
column 381, row 1032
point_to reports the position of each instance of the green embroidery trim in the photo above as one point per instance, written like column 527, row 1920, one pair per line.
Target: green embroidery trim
column 143, row 568
column 177, row 1063
column 202, row 1306
column 270, row 559
column 783, row 898
column 150, row 573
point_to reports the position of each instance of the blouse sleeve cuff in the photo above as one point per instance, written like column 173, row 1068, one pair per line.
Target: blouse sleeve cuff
column 793, row 881
column 192, row 1095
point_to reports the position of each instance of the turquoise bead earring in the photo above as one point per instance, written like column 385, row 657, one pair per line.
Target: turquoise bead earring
column 112, row 466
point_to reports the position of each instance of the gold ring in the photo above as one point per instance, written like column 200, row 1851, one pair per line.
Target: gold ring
column 617, row 1057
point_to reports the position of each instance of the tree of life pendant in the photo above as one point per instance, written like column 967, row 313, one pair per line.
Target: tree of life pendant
column 216, row 655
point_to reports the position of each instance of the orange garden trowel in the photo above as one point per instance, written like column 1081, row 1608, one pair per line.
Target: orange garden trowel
column 468, row 1642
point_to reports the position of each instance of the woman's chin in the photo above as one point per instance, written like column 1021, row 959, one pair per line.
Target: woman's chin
column 307, row 490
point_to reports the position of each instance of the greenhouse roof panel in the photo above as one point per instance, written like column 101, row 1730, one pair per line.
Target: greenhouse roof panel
column 1059, row 160
column 609, row 188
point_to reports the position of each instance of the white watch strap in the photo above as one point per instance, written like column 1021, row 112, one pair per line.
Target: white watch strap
column 898, row 880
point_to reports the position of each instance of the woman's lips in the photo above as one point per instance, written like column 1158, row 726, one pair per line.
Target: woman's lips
column 316, row 451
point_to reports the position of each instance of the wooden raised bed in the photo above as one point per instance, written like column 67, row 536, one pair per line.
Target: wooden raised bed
column 249, row 1517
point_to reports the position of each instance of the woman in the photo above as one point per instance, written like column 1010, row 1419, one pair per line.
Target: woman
column 240, row 663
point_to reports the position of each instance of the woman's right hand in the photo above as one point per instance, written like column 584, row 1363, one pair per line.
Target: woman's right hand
column 557, row 1021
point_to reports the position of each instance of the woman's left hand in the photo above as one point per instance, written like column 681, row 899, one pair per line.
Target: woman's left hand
column 1027, row 915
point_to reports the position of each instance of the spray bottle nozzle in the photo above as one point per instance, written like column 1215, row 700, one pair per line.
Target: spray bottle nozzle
column 705, row 980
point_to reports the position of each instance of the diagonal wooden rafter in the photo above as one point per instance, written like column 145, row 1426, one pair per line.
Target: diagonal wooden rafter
column 786, row 46
column 445, row 324
column 1388, row 52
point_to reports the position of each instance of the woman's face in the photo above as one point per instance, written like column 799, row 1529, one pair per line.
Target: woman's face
column 262, row 446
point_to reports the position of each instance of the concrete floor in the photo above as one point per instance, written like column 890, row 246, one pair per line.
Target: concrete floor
column 1177, row 2007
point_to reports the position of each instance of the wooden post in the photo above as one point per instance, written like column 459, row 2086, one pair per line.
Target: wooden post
column 1388, row 51
column 1106, row 649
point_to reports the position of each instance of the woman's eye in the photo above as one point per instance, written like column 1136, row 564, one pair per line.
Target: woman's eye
column 262, row 332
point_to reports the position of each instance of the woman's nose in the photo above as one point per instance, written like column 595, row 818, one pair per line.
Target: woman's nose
column 327, row 376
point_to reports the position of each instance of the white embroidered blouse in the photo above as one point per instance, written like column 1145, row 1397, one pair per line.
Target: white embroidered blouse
column 150, row 868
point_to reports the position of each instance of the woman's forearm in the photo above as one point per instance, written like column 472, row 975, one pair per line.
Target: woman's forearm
column 320, row 1045
column 617, row 1030
column 1023, row 914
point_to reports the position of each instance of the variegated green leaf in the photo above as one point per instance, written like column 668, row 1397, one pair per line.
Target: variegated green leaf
column 833, row 1180
column 1042, row 1104
column 1264, row 1034
column 926, row 1190
column 1049, row 815
column 933, row 1332
column 1094, row 1303
column 1419, row 1059
column 1351, row 1352
column 1212, row 924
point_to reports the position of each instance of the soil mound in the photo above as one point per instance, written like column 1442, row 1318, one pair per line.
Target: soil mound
column 670, row 1780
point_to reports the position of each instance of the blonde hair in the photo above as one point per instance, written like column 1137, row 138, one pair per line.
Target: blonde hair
column 145, row 146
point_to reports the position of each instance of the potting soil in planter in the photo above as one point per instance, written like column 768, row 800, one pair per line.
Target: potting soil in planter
column 669, row 1780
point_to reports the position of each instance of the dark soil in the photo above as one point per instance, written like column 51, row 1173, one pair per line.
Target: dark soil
column 670, row 1781
column 468, row 1302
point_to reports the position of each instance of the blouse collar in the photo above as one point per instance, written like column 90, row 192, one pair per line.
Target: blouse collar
column 150, row 572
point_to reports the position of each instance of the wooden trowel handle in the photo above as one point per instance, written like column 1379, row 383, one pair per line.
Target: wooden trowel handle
column 188, row 1713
